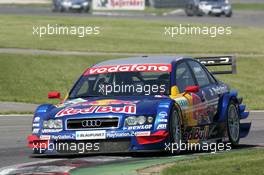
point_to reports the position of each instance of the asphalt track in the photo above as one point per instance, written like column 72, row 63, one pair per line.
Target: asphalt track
column 240, row 18
column 14, row 130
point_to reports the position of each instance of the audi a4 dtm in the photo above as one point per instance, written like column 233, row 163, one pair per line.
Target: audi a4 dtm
column 142, row 104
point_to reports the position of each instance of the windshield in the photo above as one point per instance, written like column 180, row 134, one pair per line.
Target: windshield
column 122, row 84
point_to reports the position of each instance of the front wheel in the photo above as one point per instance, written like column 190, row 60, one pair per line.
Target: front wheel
column 189, row 10
column 229, row 14
column 175, row 133
column 233, row 124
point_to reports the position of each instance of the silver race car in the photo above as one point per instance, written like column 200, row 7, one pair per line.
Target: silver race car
column 208, row 7
column 71, row 5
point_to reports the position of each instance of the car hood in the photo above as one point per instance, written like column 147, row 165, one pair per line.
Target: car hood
column 78, row 1
column 215, row 3
column 143, row 105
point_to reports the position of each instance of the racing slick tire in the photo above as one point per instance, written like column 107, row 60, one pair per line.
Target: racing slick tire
column 228, row 15
column 233, row 123
column 189, row 10
column 175, row 132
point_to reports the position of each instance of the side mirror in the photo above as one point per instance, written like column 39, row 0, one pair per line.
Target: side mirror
column 192, row 89
column 54, row 95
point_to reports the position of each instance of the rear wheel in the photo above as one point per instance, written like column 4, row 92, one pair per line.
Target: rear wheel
column 175, row 130
column 233, row 124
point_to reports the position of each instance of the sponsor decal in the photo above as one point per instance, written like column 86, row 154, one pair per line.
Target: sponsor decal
column 127, row 134
column 71, row 102
column 142, row 133
column 197, row 133
column 35, row 125
column 90, row 135
column 127, row 109
column 50, row 130
column 161, row 126
column 35, row 131
column 138, row 127
column 63, row 137
column 72, row 111
column 118, row 4
column 220, row 89
column 163, row 114
column 42, row 110
column 36, row 119
column 119, row 134
column 44, row 137
column 183, row 102
column 163, row 120
column 211, row 92
column 163, row 106
column 129, row 68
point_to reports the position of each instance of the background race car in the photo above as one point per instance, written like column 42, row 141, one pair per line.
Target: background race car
column 208, row 7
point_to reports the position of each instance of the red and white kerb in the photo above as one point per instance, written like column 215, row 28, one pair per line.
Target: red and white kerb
column 129, row 68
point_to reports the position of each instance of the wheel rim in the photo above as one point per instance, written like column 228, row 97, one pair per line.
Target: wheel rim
column 233, row 123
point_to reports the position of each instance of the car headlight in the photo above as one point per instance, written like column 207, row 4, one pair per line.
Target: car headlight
column 141, row 120
column 85, row 3
column 138, row 120
column 227, row 7
column 52, row 124
column 131, row 120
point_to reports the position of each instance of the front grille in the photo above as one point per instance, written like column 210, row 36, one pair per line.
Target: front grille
column 216, row 7
column 100, row 146
column 92, row 123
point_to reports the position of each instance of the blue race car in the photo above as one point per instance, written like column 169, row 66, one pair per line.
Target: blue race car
column 157, row 103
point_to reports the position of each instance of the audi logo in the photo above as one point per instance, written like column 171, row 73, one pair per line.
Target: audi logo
column 91, row 123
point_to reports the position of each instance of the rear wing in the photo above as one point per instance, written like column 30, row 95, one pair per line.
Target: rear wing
column 217, row 61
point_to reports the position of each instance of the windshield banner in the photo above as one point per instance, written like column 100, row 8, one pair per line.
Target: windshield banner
column 129, row 68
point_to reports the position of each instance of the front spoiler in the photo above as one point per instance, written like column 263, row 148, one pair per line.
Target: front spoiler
column 155, row 141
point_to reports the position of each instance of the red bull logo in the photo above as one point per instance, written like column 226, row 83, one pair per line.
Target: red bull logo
column 127, row 109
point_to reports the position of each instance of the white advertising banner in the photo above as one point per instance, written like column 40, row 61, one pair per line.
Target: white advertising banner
column 118, row 4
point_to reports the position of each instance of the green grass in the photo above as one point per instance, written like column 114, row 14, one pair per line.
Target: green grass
column 125, row 35
column 242, row 162
column 28, row 78
column 248, row 6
